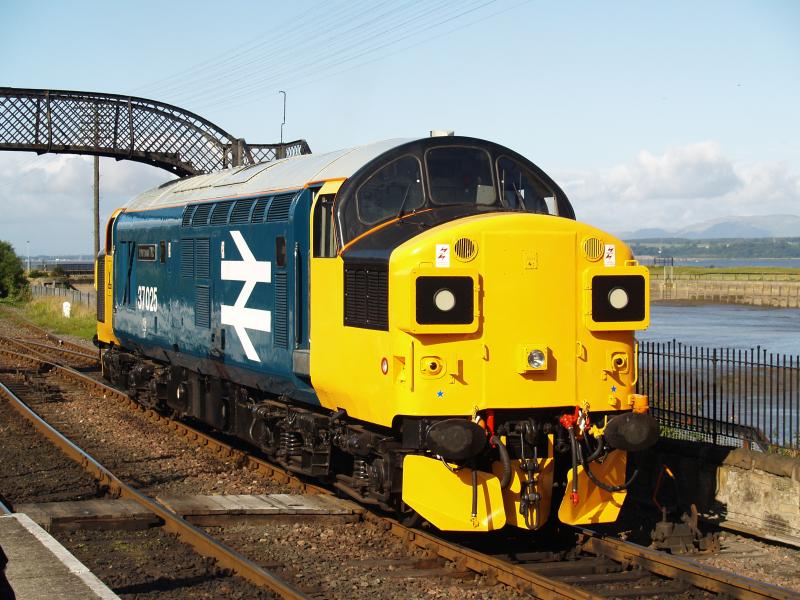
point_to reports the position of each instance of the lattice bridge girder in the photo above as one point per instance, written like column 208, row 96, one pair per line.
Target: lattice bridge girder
column 126, row 128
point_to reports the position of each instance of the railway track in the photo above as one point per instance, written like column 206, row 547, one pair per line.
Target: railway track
column 195, row 537
column 597, row 567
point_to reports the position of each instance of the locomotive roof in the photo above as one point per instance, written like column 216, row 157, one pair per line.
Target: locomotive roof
column 284, row 174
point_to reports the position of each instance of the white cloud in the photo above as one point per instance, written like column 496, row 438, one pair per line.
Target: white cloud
column 684, row 185
column 48, row 199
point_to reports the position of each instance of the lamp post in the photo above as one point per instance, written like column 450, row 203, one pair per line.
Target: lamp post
column 28, row 247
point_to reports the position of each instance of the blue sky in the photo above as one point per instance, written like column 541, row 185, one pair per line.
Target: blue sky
column 649, row 114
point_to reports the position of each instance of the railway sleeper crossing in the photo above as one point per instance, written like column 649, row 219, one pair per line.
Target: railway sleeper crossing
column 597, row 566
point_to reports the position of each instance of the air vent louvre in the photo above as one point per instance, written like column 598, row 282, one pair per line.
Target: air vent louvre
column 366, row 297
column 200, row 216
column 280, row 326
column 187, row 257
column 593, row 248
column 187, row 215
column 241, row 211
column 260, row 210
column 279, row 208
column 202, row 258
column 465, row 249
column 219, row 216
column 202, row 306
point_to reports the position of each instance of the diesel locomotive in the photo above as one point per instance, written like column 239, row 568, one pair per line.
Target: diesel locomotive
column 421, row 323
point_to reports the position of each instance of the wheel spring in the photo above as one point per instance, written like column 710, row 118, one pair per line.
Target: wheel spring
column 290, row 443
column 360, row 472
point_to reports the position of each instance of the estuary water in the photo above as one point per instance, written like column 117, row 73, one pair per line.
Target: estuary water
column 725, row 325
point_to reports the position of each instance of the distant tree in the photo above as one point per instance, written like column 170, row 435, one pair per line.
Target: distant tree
column 12, row 276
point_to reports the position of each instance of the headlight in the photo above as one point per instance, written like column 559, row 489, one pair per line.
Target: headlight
column 536, row 359
column 618, row 298
column 444, row 300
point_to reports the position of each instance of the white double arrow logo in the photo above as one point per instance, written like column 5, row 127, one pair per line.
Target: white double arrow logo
column 251, row 271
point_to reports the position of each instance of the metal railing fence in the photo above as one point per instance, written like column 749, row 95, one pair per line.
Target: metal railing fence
column 87, row 298
column 725, row 396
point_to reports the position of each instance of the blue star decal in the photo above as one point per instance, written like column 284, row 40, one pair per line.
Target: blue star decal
column 440, row 393
column 613, row 388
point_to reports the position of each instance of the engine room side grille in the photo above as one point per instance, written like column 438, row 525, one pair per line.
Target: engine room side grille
column 279, row 208
column 241, row 211
column 366, row 296
column 219, row 216
column 101, row 289
column 281, row 328
column 187, row 257
column 200, row 216
column 260, row 210
column 188, row 212
column 202, row 306
column 202, row 258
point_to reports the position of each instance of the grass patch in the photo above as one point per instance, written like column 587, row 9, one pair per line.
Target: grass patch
column 47, row 313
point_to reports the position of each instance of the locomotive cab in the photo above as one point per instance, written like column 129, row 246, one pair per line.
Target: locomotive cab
column 486, row 328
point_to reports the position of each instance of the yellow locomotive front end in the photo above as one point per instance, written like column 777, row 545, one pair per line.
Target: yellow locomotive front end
column 492, row 333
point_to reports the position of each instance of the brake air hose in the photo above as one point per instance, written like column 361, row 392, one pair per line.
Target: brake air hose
column 505, row 480
column 600, row 484
column 574, row 451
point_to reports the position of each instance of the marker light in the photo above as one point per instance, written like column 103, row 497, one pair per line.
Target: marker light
column 444, row 300
column 384, row 366
column 536, row 359
column 618, row 298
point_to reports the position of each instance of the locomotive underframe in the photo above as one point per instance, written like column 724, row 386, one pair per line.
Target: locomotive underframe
column 362, row 460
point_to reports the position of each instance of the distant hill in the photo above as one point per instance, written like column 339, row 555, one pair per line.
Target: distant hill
column 761, row 226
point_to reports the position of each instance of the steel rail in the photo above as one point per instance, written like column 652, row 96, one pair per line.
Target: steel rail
column 37, row 347
column 701, row 576
column 188, row 533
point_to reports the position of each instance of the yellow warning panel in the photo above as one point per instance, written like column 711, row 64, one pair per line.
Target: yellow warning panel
column 595, row 505
column 444, row 497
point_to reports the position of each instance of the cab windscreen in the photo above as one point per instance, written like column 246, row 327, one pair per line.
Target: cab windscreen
column 444, row 300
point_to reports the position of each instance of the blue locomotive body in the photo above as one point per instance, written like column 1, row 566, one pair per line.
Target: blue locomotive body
column 219, row 288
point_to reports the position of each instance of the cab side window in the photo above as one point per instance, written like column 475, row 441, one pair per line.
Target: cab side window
column 324, row 242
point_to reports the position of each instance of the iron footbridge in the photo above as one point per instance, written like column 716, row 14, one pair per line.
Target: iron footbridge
column 126, row 128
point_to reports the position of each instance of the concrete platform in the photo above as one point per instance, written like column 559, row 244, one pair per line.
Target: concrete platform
column 39, row 567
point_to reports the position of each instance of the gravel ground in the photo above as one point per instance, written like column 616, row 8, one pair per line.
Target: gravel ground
column 770, row 563
column 357, row 561
column 32, row 470
column 153, row 564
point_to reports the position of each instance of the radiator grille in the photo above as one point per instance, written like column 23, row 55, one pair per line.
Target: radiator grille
column 279, row 208
column 200, row 216
column 280, row 325
column 187, row 215
column 187, row 257
column 202, row 306
column 202, row 258
column 101, row 289
column 241, row 211
column 260, row 210
column 366, row 296
column 219, row 216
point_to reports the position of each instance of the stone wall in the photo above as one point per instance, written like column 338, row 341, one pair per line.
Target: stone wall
column 740, row 488
column 726, row 288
